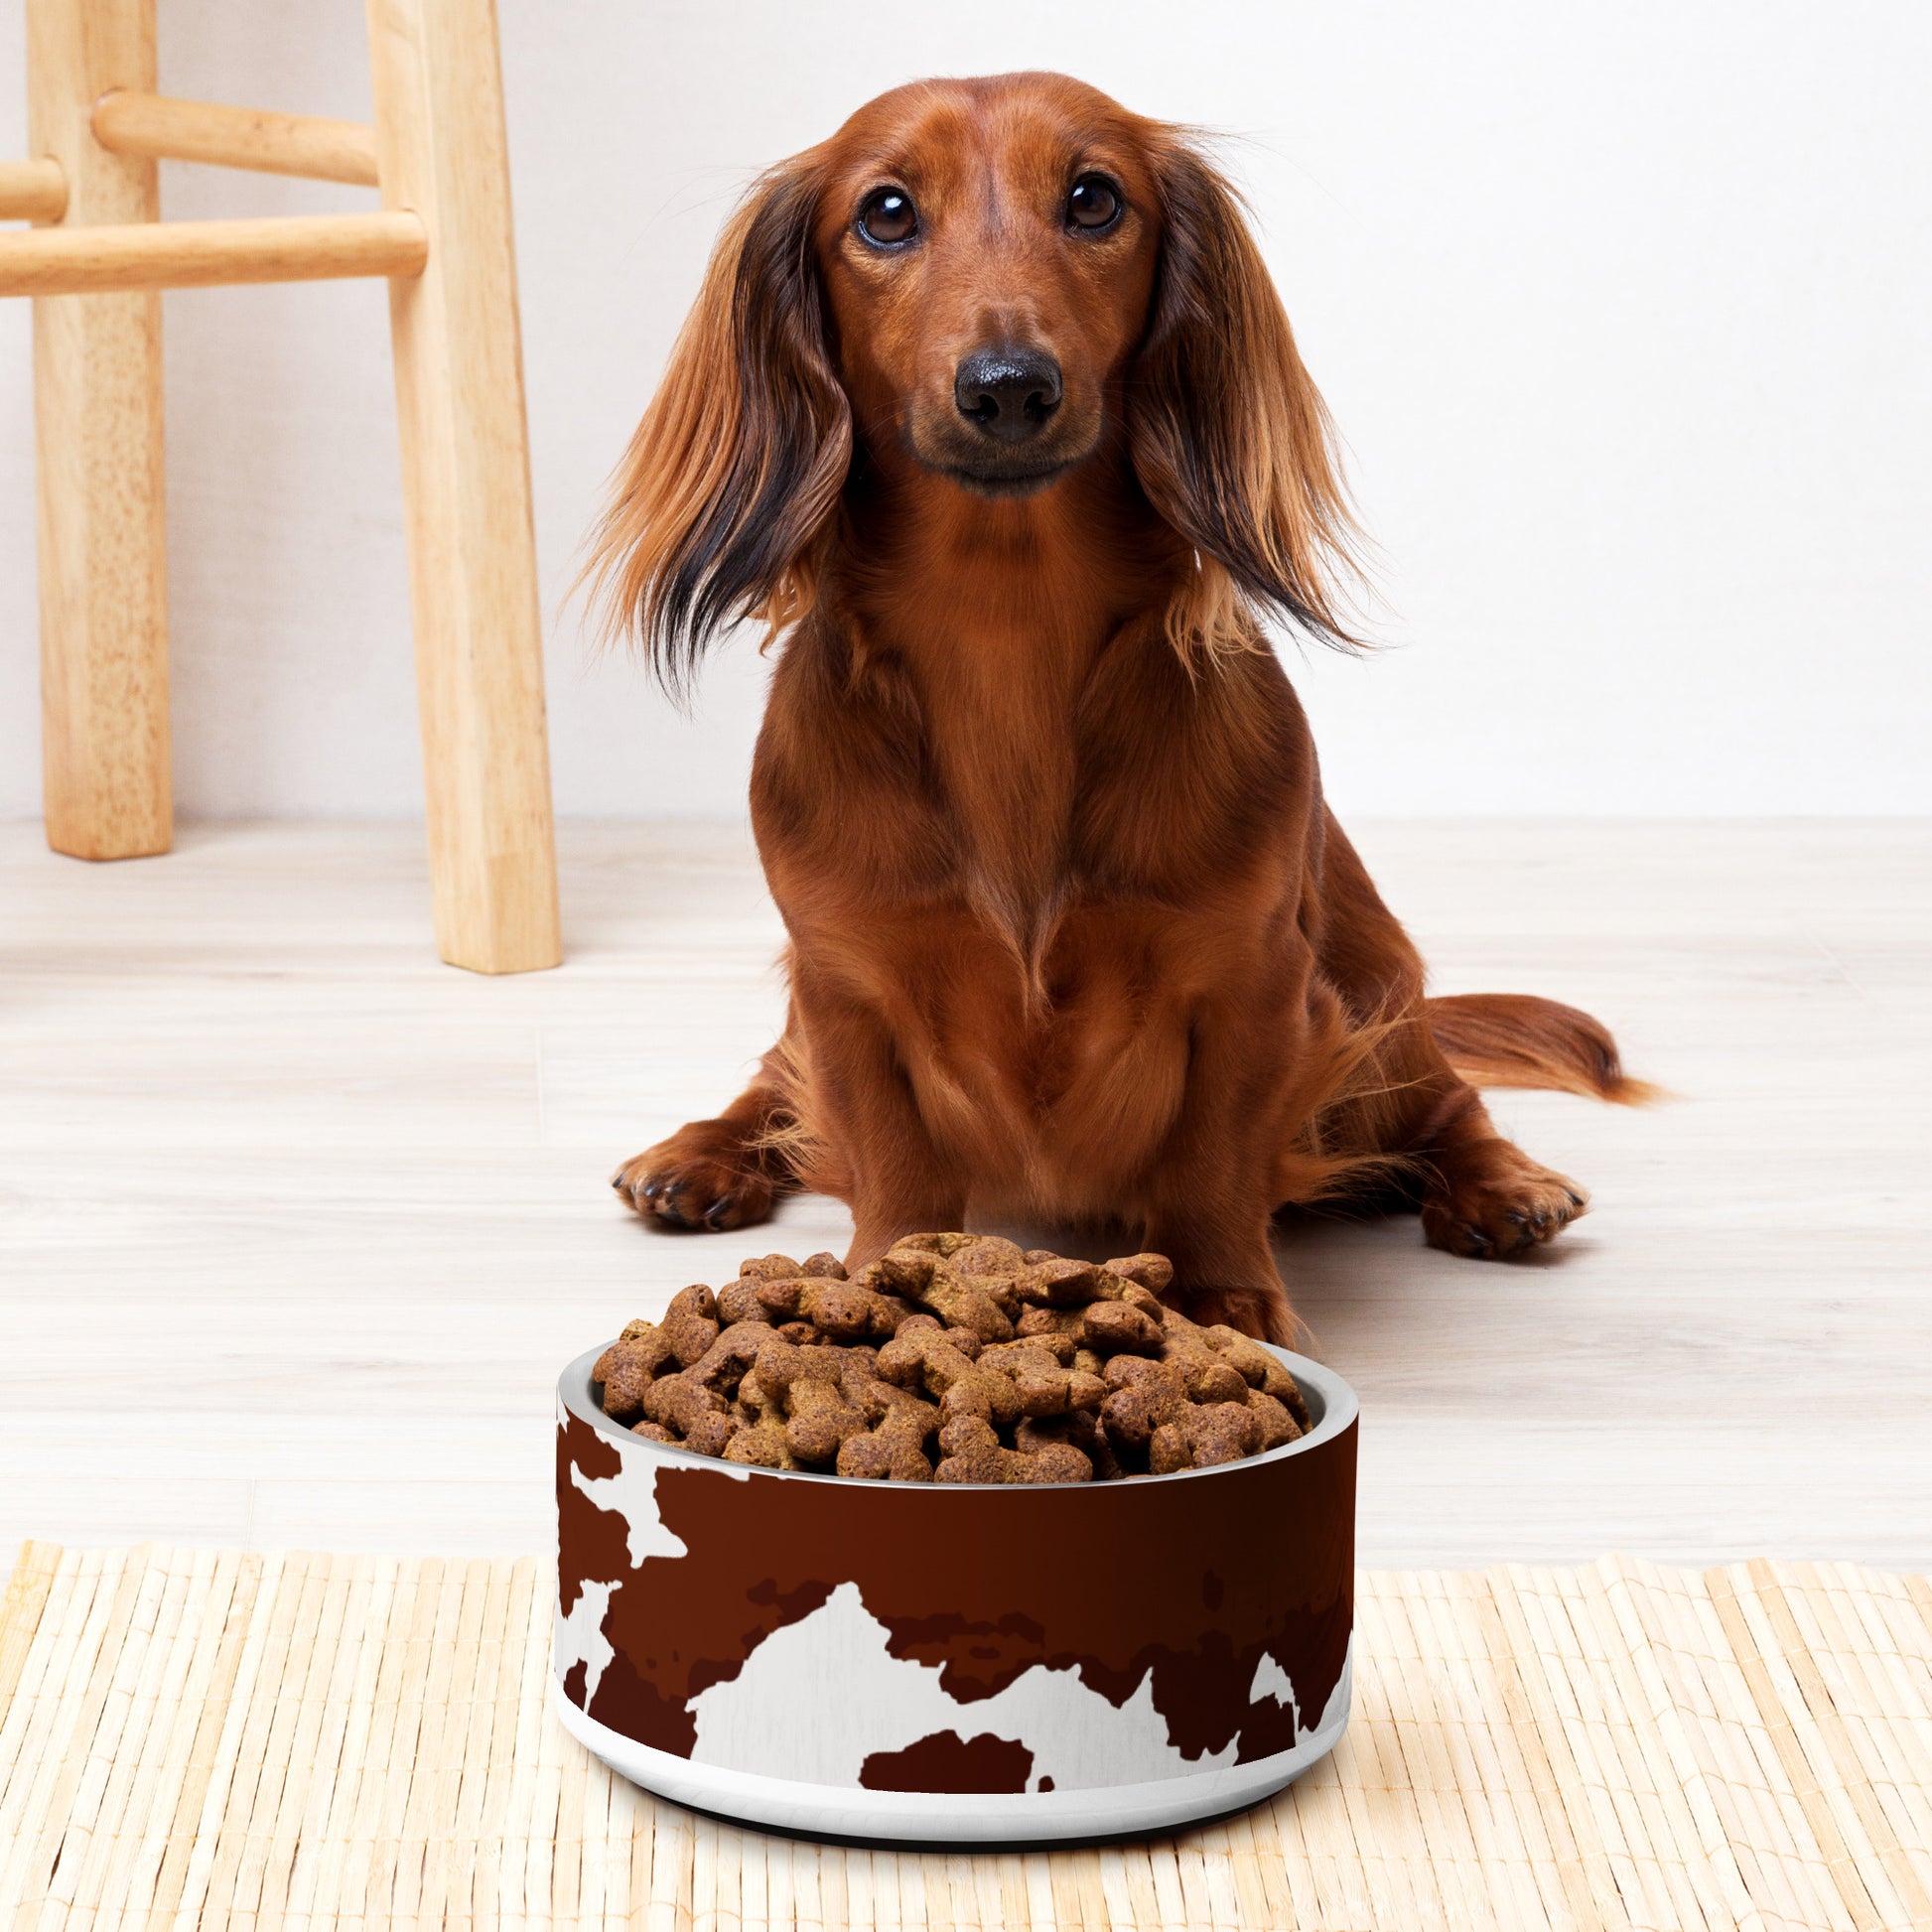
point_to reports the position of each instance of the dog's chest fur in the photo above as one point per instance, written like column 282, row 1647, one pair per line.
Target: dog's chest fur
column 963, row 842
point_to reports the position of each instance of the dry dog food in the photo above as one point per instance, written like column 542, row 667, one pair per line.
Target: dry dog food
column 953, row 1358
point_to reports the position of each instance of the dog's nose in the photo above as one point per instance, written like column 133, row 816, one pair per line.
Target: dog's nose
column 1009, row 392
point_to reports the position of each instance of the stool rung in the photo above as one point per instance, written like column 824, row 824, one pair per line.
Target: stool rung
column 203, row 254
column 33, row 191
column 236, row 137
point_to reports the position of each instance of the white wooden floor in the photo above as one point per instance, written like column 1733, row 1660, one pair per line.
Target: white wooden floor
column 297, row 1225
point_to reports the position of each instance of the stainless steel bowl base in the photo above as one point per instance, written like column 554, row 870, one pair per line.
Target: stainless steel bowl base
column 947, row 1817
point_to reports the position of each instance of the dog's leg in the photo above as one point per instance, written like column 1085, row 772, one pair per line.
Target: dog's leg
column 1483, row 1197
column 1480, row 1195
column 1223, row 1270
column 1209, row 1196
column 879, row 1154
column 721, row 1174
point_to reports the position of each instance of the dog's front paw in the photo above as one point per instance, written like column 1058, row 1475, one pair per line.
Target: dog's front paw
column 681, row 1187
column 1492, row 1201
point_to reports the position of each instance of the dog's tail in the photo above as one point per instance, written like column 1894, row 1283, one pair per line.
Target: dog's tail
column 1515, row 1039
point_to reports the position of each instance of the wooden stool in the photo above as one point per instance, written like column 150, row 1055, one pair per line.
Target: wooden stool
column 437, row 152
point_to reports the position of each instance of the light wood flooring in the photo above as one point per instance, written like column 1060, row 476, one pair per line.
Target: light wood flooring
column 297, row 1225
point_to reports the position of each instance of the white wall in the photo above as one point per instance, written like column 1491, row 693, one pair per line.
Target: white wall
column 1621, row 311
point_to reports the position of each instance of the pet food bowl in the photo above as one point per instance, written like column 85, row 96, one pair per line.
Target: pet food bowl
column 963, row 1663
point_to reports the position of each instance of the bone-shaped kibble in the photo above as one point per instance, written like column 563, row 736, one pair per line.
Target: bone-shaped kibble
column 968, row 1343
column 1045, row 1387
column 1213, row 1381
column 921, row 1359
column 767, row 1267
column 1035, row 1323
column 1056, row 1344
column 844, row 1311
column 683, row 1403
column 993, row 1266
column 874, row 1399
column 1203, row 1436
column 1208, row 1376
column 739, row 1301
column 762, row 1445
column 973, row 1452
column 1146, row 1396
column 1277, row 1425
column 1155, row 1273
column 723, row 1366
column 690, row 1323
column 755, row 1402
column 989, row 1255
column 1061, row 1284
column 628, row 1367
column 818, row 1417
column 894, row 1449
column 922, row 1277
column 711, row 1435
column 841, row 1310
column 859, row 1381
column 1258, row 1369
column 942, row 1245
column 1078, row 1429
column 1029, row 1366
column 1120, row 1328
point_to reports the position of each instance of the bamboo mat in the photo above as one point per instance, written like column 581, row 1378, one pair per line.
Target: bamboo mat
column 239, row 1739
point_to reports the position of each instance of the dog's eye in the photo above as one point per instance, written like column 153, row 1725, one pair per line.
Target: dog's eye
column 1094, row 203
column 889, row 218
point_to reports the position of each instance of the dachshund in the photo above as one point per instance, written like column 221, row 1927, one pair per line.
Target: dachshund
column 990, row 413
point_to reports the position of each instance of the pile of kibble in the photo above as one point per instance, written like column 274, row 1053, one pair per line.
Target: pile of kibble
column 956, row 1358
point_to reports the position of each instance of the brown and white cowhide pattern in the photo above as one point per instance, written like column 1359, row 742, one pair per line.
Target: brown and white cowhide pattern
column 908, row 1637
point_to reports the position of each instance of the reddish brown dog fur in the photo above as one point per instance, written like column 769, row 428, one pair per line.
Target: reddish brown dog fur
column 1073, row 936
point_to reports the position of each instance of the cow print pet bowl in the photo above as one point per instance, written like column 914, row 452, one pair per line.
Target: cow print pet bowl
column 963, row 1663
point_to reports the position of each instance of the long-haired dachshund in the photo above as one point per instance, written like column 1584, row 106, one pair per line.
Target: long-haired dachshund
column 989, row 409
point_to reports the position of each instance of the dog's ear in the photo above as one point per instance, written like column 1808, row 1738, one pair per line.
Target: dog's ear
column 719, row 505
column 1229, row 436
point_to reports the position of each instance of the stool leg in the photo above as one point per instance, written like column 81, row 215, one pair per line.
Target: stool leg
column 465, row 471
column 103, row 570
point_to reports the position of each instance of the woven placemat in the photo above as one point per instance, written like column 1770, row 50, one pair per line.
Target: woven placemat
column 228, row 1738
